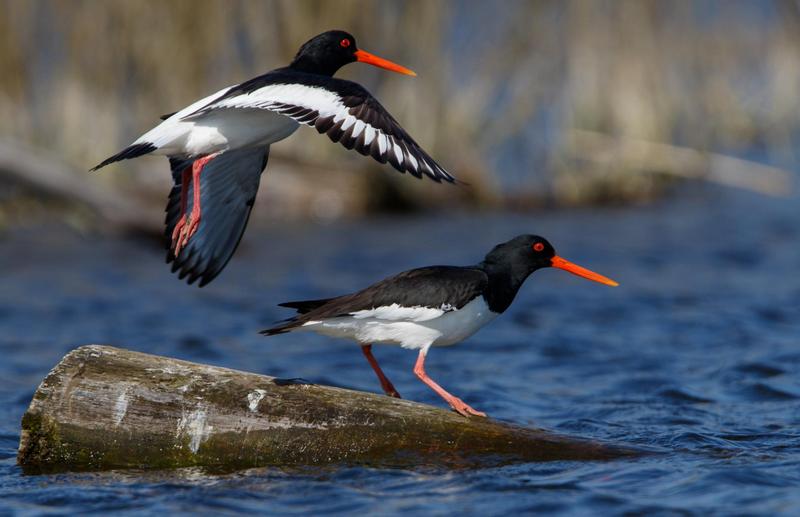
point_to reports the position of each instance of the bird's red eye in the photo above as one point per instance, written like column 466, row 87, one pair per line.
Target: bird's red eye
column 345, row 43
column 538, row 246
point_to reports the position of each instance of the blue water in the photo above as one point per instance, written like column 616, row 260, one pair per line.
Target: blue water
column 696, row 353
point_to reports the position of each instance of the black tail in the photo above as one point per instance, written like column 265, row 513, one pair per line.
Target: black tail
column 305, row 306
column 302, row 307
column 283, row 327
column 132, row 151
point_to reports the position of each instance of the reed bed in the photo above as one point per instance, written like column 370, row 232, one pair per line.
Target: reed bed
column 503, row 88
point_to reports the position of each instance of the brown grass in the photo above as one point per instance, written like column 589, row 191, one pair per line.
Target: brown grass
column 82, row 78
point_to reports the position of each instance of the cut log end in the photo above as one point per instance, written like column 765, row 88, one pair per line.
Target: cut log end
column 103, row 407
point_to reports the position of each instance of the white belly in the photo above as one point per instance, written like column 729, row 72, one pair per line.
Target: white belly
column 220, row 130
column 224, row 130
column 415, row 327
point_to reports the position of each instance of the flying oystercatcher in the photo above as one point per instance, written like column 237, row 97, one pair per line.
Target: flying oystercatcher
column 430, row 306
column 218, row 146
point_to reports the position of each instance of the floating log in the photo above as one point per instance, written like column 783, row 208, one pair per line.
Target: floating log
column 103, row 407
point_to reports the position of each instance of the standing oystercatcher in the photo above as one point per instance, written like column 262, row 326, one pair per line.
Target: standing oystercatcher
column 218, row 146
column 431, row 306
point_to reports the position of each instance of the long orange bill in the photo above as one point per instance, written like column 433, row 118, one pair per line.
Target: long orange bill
column 366, row 57
column 575, row 269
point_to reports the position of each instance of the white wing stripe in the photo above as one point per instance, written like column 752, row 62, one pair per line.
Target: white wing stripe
column 324, row 101
column 396, row 312
column 349, row 121
column 369, row 134
column 413, row 160
column 359, row 126
column 341, row 115
column 398, row 152
column 307, row 105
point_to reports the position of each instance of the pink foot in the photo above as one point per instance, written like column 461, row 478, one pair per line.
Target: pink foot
column 186, row 228
column 178, row 230
column 189, row 229
column 456, row 403
column 386, row 384
column 390, row 391
column 176, row 234
column 463, row 408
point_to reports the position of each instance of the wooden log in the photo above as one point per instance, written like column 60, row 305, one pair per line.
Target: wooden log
column 104, row 407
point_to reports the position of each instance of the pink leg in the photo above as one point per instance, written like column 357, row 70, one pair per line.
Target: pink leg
column 455, row 402
column 185, row 176
column 190, row 228
column 386, row 384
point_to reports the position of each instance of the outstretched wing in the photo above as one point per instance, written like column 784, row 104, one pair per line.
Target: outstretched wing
column 228, row 187
column 343, row 110
column 413, row 295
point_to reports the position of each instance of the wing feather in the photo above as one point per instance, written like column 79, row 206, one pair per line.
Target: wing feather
column 412, row 295
column 228, row 188
column 343, row 110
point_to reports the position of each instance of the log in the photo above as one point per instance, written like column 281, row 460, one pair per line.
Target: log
column 103, row 407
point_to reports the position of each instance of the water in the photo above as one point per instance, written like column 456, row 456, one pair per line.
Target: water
column 697, row 353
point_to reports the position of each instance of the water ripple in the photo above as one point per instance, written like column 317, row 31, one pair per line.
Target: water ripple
column 696, row 355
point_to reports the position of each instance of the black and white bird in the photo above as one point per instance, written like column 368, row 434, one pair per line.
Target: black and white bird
column 218, row 146
column 430, row 306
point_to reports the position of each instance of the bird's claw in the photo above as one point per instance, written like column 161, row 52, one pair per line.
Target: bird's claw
column 194, row 224
column 183, row 232
column 176, row 234
column 393, row 393
column 464, row 409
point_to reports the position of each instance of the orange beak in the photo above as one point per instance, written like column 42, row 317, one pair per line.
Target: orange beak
column 366, row 57
column 575, row 269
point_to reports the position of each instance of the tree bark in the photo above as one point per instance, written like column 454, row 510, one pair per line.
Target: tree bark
column 103, row 407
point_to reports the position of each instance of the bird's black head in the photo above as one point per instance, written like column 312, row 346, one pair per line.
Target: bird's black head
column 524, row 254
column 521, row 256
column 326, row 53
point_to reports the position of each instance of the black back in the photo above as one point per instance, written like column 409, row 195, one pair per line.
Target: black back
column 441, row 287
column 497, row 279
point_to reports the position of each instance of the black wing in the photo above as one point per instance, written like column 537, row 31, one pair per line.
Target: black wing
column 341, row 109
column 442, row 287
column 228, row 187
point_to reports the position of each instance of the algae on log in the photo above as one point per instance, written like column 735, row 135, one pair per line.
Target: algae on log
column 105, row 407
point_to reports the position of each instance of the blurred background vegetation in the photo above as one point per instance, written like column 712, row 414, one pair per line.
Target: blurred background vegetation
column 534, row 103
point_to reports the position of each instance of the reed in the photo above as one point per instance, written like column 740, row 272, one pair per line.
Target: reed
column 502, row 87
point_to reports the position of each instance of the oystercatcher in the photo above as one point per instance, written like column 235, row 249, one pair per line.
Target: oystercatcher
column 218, row 146
column 430, row 306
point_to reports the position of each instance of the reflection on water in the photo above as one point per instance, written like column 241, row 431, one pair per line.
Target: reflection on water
column 698, row 352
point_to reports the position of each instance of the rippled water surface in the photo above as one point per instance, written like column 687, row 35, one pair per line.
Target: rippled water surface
column 696, row 353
